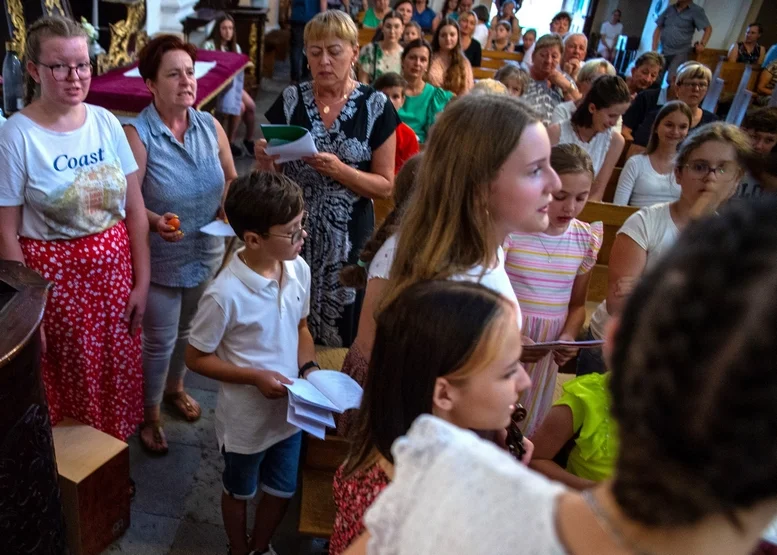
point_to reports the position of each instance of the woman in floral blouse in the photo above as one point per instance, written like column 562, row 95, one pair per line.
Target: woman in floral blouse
column 385, row 56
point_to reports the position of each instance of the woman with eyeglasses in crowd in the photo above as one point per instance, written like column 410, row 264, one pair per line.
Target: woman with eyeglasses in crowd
column 71, row 209
column 708, row 168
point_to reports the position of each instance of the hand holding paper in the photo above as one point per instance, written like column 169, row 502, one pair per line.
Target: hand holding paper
column 288, row 142
column 312, row 401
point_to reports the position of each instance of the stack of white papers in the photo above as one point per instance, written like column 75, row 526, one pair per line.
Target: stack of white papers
column 312, row 401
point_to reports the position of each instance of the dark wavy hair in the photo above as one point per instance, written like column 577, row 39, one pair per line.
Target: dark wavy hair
column 456, row 75
column 694, row 374
column 606, row 91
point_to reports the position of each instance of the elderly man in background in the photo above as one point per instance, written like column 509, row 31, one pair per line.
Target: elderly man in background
column 575, row 48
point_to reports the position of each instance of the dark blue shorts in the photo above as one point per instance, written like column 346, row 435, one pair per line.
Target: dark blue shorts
column 275, row 468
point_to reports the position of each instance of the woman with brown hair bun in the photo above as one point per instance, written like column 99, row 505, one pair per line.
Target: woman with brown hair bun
column 71, row 209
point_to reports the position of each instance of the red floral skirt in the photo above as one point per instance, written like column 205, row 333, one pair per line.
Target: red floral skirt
column 92, row 368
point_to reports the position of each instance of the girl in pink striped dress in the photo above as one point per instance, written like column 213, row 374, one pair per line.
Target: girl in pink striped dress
column 550, row 272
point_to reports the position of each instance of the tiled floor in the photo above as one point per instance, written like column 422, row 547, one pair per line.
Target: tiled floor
column 177, row 508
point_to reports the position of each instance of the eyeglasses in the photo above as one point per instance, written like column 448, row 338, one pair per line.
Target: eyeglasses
column 298, row 235
column 60, row 72
column 697, row 86
column 700, row 170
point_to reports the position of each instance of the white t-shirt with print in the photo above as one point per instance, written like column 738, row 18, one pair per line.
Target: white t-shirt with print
column 253, row 322
column 495, row 278
column 655, row 232
column 69, row 184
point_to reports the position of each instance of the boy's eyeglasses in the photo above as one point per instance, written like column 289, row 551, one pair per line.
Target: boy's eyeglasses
column 298, row 235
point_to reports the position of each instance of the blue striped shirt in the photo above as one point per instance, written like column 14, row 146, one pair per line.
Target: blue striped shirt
column 188, row 180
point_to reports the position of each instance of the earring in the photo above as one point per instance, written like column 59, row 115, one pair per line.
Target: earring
column 308, row 65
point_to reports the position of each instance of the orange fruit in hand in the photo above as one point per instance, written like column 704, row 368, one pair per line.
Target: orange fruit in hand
column 175, row 223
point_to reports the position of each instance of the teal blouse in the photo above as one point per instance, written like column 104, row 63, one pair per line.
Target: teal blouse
column 420, row 112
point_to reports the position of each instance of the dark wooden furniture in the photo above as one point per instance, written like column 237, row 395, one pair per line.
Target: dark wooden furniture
column 30, row 510
column 249, row 27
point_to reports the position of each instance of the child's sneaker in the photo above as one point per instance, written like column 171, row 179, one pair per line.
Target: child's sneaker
column 270, row 551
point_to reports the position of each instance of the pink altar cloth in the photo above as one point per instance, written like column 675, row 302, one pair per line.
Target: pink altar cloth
column 124, row 95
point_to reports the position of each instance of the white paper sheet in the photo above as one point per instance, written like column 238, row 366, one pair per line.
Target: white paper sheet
column 294, row 150
column 301, row 408
column 308, row 393
column 310, row 426
column 339, row 388
column 219, row 228
column 200, row 70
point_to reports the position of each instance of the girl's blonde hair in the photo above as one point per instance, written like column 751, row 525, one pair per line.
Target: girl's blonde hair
column 46, row 28
column 447, row 227
column 570, row 158
column 488, row 86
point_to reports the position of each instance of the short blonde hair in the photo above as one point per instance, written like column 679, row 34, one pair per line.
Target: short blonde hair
column 488, row 86
column 590, row 70
column 694, row 71
column 331, row 23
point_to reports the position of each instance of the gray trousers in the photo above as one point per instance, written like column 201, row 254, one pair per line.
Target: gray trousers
column 166, row 326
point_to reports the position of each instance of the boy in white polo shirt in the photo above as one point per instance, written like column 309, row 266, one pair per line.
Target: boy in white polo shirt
column 251, row 334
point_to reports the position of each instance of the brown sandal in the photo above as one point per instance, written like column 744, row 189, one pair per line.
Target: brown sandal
column 180, row 401
column 157, row 447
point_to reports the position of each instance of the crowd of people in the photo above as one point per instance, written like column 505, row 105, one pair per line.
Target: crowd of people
column 662, row 443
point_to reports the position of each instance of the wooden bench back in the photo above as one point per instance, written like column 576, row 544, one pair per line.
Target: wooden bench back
column 365, row 36
column 732, row 74
column 612, row 217
column 483, row 73
column 710, row 57
column 501, row 55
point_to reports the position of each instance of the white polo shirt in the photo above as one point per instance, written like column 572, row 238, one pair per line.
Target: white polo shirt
column 252, row 322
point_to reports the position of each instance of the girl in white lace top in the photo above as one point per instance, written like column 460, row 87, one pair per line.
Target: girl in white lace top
column 694, row 377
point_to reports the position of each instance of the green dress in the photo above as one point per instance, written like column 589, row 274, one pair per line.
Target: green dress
column 596, row 447
column 420, row 112
column 371, row 20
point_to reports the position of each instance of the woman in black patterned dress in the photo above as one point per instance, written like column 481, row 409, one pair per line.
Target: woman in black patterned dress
column 353, row 127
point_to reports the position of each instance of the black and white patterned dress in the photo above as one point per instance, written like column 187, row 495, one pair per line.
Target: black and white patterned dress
column 339, row 220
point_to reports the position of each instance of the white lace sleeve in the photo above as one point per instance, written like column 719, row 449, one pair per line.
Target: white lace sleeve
column 380, row 267
column 456, row 494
